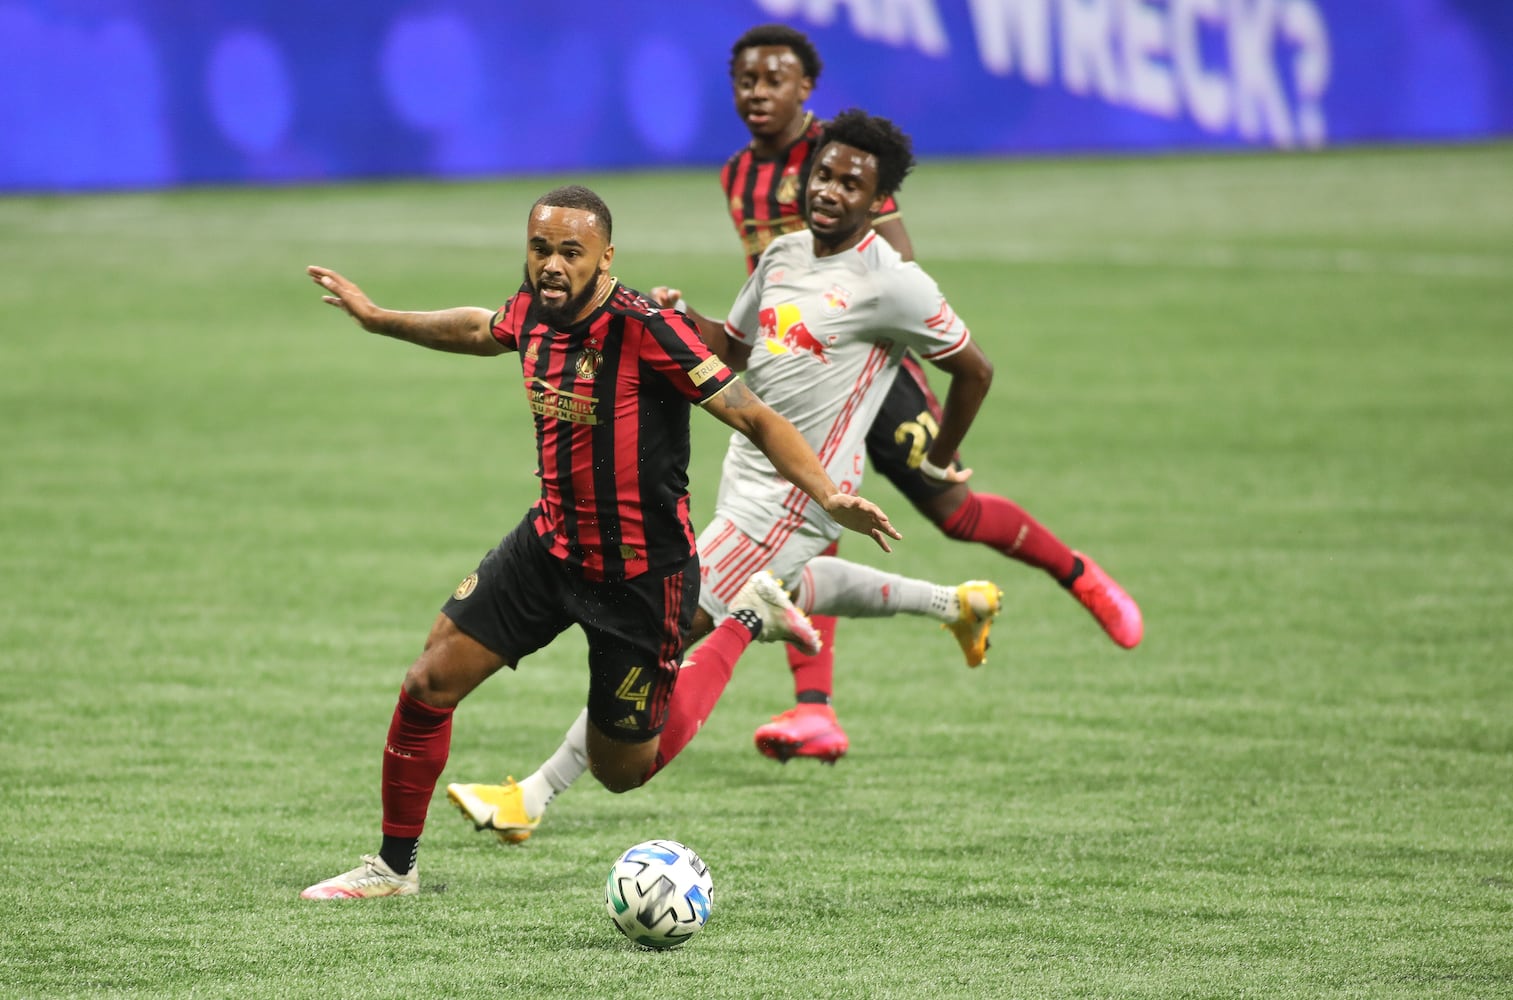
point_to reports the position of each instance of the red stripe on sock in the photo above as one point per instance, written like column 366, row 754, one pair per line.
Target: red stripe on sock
column 420, row 739
column 1002, row 524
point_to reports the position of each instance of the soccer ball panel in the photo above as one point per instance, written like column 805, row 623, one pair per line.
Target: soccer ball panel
column 659, row 894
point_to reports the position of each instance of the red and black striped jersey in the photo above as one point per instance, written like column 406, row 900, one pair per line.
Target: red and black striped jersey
column 766, row 197
column 611, row 397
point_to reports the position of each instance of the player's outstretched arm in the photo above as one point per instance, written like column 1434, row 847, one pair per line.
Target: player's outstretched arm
column 739, row 407
column 463, row 330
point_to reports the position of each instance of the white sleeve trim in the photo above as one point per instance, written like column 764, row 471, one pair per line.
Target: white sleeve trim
column 950, row 349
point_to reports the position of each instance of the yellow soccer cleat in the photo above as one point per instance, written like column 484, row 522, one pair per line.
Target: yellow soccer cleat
column 979, row 603
column 500, row 808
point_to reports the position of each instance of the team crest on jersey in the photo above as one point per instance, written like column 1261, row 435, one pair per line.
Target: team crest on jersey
column 788, row 188
column 466, row 587
column 784, row 332
column 837, row 300
column 588, row 363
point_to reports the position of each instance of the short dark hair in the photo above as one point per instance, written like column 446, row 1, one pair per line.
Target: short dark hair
column 779, row 35
column 878, row 136
column 578, row 196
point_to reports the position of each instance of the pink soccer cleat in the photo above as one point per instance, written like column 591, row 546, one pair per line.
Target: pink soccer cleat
column 803, row 731
column 1115, row 610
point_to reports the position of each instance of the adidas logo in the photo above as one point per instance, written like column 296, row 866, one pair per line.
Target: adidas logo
column 629, row 722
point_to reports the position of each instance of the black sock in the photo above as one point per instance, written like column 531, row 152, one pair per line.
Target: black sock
column 1074, row 575
column 399, row 853
column 750, row 619
column 813, row 697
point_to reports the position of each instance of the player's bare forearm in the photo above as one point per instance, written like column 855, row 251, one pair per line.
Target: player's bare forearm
column 796, row 462
column 461, row 330
column 712, row 331
column 971, row 377
column 963, row 400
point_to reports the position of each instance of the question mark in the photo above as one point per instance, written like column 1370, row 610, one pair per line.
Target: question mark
column 1304, row 25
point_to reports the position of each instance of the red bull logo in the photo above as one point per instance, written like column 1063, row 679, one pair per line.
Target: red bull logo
column 837, row 300
column 784, row 332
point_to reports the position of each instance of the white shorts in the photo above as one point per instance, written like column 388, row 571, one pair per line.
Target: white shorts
column 728, row 556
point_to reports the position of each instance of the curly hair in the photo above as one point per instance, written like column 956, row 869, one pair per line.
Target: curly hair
column 878, row 136
column 782, row 36
column 578, row 196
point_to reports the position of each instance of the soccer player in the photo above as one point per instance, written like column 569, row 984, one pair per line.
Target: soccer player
column 821, row 326
column 773, row 71
column 608, row 546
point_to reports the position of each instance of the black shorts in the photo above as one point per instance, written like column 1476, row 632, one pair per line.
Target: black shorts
column 522, row 597
column 903, row 431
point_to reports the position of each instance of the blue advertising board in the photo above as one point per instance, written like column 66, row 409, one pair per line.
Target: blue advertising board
column 99, row 94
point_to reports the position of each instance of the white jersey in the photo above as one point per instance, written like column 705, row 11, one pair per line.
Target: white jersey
column 827, row 335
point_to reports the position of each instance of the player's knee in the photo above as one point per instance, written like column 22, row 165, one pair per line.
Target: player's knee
column 619, row 765
column 621, row 787
column 616, row 777
column 420, row 685
column 942, row 507
column 703, row 624
column 451, row 665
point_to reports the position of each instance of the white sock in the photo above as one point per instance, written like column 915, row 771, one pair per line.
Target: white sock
column 560, row 770
column 830, row 586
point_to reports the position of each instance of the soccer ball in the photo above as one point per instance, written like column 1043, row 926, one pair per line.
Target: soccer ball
column 659, row 894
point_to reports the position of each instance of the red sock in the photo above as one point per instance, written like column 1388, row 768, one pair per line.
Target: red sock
column 702, row 680
column 420, row 738
column 817, row 672
column 1000, row 523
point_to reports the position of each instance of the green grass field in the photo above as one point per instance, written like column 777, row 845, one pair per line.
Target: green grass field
column 1272, row 394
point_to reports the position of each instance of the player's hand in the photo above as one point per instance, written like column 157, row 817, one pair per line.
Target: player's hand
column 862, row 516
column 949, row 474
column 666, row 298
column 344, row 295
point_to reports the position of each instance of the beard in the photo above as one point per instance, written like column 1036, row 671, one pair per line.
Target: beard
column 563, row 315
column 836, row 237
column 832, row 237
